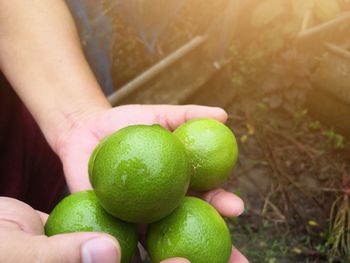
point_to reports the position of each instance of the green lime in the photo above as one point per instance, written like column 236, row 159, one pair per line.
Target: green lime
column 140, row 173
column 81, row 212
column 194, row 231
column 212, row 149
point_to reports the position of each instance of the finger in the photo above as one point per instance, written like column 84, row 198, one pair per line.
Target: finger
column 80, row 247
column 75, row 247
column 75, row 161
column 81, row 182
column 237, row 257
column 175, row 260
column 17, row 215
column 166, row 115
column 23, row 228
column 43, row 216
column 173, row 116
column 226, row 203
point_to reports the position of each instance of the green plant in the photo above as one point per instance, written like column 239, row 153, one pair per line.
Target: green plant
column 334, row 140
column 339, row 237
column 299, row 116
column 314, row 125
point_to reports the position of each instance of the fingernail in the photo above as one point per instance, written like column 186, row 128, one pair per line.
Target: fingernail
column 101, row 249
column 176, row 260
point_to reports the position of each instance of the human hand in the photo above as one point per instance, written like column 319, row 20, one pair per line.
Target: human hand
column 76, row 145
column 84, row 131
column 22, row 239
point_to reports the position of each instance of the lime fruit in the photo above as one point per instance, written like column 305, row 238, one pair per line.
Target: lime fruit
column 140, row 173
column 194, row 231
column 212, row 149
column 81, row 212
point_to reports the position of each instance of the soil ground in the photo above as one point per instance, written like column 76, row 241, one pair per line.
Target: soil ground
column 291, row 170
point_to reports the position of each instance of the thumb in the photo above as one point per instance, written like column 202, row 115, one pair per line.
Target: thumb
column 22, row 228
column 70, row 248
column 176, row 260
column 80, row 247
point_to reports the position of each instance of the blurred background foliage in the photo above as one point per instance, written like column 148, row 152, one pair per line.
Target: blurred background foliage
column 262, row 51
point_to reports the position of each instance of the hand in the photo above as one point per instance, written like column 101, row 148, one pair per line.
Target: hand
column 22, row 239
column 77, row 141
column 76, row 145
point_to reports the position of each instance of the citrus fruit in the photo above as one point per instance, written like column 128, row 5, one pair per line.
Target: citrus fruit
column 140, row 173
column 212, row 149
column 194, row 231
column 81, row 212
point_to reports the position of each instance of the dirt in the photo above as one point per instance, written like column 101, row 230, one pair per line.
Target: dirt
column 289, row 174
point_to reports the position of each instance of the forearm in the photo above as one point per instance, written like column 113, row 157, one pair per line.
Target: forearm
column 41, row 56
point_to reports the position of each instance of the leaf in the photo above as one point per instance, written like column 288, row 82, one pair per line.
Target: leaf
column 326, row 9
column 267, row 12
column 301, row 6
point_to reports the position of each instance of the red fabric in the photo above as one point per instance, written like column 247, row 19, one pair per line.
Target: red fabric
column 29, row 170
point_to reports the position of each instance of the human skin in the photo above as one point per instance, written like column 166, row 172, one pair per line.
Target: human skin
column 41, row 56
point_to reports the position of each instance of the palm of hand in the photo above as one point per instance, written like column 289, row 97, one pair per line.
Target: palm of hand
column 77, row 144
